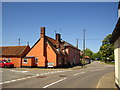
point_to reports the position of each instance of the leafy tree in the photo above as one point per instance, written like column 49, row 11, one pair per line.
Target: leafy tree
column 88, row 52
column 97, row 55
column 107, row 49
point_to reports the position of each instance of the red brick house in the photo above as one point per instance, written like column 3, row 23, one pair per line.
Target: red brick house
column 48, row 51
column 14, row 54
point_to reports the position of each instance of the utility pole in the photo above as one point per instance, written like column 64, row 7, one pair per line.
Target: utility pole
column 19, row 41
column 55, row 31
column 27, row 43
column 60, row 30
column 84, row 45
column 77, row 43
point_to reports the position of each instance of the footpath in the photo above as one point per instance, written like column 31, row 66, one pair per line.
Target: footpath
column 107, row 81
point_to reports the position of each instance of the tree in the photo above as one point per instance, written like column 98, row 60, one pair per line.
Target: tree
column 107, row 49
column 97, row 55
column 88, row 52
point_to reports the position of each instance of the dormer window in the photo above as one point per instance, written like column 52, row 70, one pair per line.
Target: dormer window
column 58, row 49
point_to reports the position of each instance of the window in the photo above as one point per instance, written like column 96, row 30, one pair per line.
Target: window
column 58, row 49
column 36, row 60
column 1, row 61
column 25, row 60
column 9, row 60
column 4, row 58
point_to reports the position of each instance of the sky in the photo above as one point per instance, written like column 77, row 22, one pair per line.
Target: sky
column 24, row 19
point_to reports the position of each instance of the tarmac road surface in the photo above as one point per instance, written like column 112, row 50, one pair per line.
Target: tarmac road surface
column 69, row 78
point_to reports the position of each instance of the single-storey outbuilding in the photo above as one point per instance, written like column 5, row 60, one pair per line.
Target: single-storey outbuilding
column 14, row 54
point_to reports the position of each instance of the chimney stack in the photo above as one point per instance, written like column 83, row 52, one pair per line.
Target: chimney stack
column 42, row 32
column 77, row 43
column 58, row 37
column 43, row 41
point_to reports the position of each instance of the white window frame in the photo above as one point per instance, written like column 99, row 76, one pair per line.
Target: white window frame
column 36, row 60
column 24, row 61
column 4, row 59
column 9, row 59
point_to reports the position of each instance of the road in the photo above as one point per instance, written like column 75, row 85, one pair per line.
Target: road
column 56, row 78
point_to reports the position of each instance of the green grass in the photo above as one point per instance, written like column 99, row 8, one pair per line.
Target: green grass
column 111, row 63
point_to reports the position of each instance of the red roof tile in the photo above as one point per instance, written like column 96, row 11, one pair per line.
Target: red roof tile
column 53, row 41
column 87, row 57
column 12, row 50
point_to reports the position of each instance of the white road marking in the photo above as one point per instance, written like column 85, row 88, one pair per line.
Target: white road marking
column 7, row 82
column 97, row 70
column 1, row 83
column 37, row 74
column 13, row 80
column 41, row 74
column 99, row 83
column 82, row 72
column 19, row 79
column 19, row 71
column 24, row 71
column 33, row 76
column 76, row 74
column 28, row 77
column 23, row 78
column 47, row 73
column 54, row 83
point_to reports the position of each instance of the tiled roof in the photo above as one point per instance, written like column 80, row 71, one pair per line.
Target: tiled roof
column 64, row 44
column 12, row 50
column 53, row 41
column 87, row 57
column 68, row 44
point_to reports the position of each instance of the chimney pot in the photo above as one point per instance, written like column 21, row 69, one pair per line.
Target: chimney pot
column 42, row 32
column 58, row 37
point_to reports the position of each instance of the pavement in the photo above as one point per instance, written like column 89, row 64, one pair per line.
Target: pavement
column 107, row 81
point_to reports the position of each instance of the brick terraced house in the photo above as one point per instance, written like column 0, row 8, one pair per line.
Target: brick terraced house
column 49, row 52
column 14, row 54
